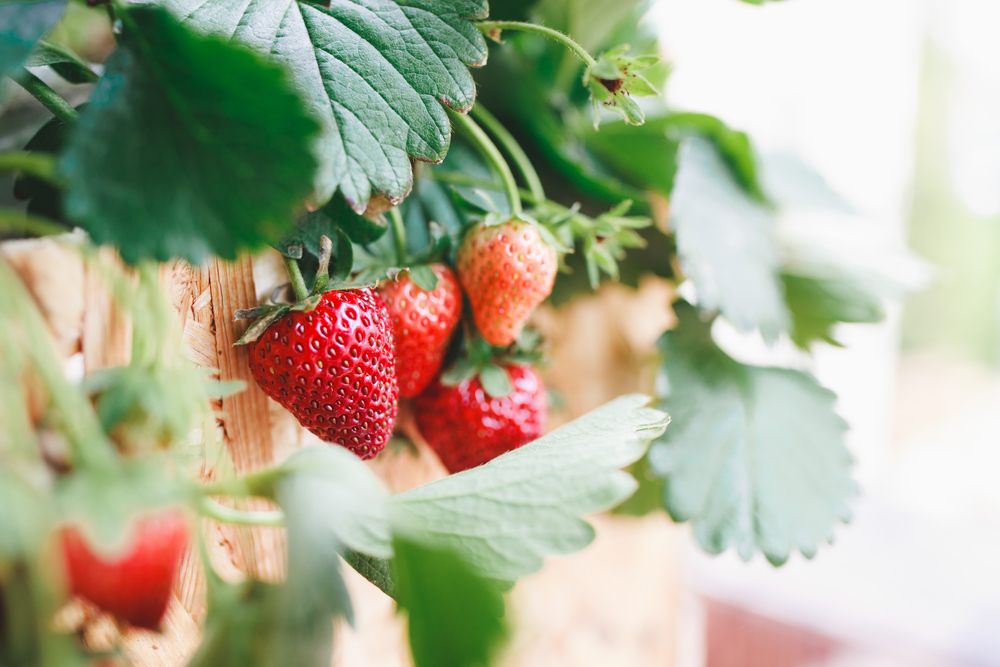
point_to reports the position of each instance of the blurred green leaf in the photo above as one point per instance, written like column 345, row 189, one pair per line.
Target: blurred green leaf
column 818, row 304
column 789, row 181
column 64, row 62
column 103, row 502
column 25, row 517
column 725, row 243
column 506, row 515
column 454, row 615
column 373, row 76
column 21, row 25
column 754, row 457
column 224, row 135
column 337, row 498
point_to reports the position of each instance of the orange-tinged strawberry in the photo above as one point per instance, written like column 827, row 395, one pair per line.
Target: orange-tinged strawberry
column 506, row 270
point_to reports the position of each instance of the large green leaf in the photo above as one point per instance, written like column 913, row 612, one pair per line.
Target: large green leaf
column 725, row 242
column 374, row 74
column 190, row 146
column 454, row 615
column 506, row 515
column 754, row 457
column 21, row 25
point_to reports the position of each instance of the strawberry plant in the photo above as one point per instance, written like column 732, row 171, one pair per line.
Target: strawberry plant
column 430, row 172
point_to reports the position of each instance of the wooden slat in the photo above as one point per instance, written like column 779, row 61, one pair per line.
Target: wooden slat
column 245, row 415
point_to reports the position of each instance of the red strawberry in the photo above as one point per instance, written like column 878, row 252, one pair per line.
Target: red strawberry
column 467, row 427
column 333, row 368
column 134, row 585
column 422, row 323
column 507, row 270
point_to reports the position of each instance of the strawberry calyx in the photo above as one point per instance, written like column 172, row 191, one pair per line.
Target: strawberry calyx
column 478, row 358
column 267, row 314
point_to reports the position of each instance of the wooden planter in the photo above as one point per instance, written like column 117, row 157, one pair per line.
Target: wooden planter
column 555, row 612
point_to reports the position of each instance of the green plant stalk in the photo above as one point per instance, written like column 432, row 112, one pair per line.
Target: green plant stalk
column 219, row 512
column 514, row 150
column 492, row 155
column 40, row 165
column 398, row 234
column 298, row 282
column 488, row 27
column 88, row 443
column 49, row 98
column 459, row 178
column 257, row 484
column 18, row 221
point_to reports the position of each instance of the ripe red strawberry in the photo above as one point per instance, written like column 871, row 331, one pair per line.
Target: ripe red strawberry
column 134, row 585
column 333, row 368
column 507, row 270
column 422, row 323
column 467, row 427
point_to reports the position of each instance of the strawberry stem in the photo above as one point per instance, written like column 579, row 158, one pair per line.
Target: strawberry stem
column 493, row 28
column 219, row 512
column 398, row 234
column 298, row 282
column 492, row 155
column 323, row 271
column 514, row 150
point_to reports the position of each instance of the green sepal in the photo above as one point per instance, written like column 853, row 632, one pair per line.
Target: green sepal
column 425, row 278
column 495, row 381
column 260, row 326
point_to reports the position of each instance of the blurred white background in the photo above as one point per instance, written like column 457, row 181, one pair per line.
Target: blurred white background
column 866, row 91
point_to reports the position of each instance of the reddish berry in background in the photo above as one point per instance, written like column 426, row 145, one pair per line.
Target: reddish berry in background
column 333, row 368
column 134, row 585
column 506, row 270
column 422, row 323
column 467, row 427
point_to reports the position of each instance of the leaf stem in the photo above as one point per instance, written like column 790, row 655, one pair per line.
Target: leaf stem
column 488, row 27
column 298, row 282
column 40, row 165
column 492, row 155
column 44, row 93
column 459, row 178
column 500, row 133
column 398, row 234
column 20, row 222
column 219, row 512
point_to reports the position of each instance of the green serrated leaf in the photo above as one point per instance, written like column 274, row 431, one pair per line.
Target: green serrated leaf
column 373, row 75
column 63, row 61
column 495, row 380
column 754, row 457
column 528, row 501
column 361, row 229
column 376, row 570
column 454, row 615
column 725, row 243
column 817, row 305
column 21, row 25
column 191, row 105
column 425, row 278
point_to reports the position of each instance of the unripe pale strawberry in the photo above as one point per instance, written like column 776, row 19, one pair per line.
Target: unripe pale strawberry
column 506, row 270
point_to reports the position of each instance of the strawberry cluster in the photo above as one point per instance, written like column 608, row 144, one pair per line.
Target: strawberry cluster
column 341, row 362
